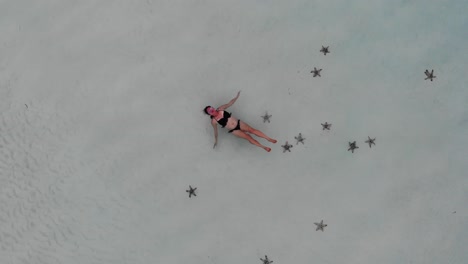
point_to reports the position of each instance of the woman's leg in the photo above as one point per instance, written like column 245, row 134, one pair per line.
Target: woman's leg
column 245, row 136
column 259, row 133
column 245, row 127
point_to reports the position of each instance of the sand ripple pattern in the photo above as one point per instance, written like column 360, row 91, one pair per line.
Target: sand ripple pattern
column 44, row 216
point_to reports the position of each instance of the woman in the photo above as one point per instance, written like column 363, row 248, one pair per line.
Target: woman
column 235, row 126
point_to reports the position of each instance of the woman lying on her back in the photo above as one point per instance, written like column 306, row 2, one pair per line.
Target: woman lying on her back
column 235, row 126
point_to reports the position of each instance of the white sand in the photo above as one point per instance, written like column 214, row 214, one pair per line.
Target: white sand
column 102, row 132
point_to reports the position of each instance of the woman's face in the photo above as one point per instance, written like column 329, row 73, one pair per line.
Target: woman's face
column 211, row 110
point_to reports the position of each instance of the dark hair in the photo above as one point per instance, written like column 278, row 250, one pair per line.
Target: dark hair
column 205, row 109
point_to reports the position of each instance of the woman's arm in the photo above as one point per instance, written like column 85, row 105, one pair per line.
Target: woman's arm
column 215, row 127
column 221, row 108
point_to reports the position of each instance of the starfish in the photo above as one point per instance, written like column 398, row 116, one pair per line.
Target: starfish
column 326, row 126
column 316, row 72
column 325, row 50
column 430, row 75
column 191, row 191
column 299, row 139
column 266, row 260
column 352, row 146
column 320, row 226
column 266, row 117
column 286, row 147
column 370, row 141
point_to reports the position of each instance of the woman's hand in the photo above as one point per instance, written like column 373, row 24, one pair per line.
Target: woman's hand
column 238, row 94
column 216, row 142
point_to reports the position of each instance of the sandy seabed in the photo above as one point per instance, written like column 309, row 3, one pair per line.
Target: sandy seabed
column 102, row 132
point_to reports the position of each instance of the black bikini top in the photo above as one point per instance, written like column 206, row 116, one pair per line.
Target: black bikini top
column 223, row 121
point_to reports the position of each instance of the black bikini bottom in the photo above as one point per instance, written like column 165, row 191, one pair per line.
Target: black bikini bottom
column 236, row 128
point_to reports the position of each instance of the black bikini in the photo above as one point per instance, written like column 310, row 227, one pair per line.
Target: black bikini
column 223, row 121
column 237, row 127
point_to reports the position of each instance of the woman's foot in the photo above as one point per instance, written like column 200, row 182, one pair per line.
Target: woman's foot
column 267, row 149
column 272, row 140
